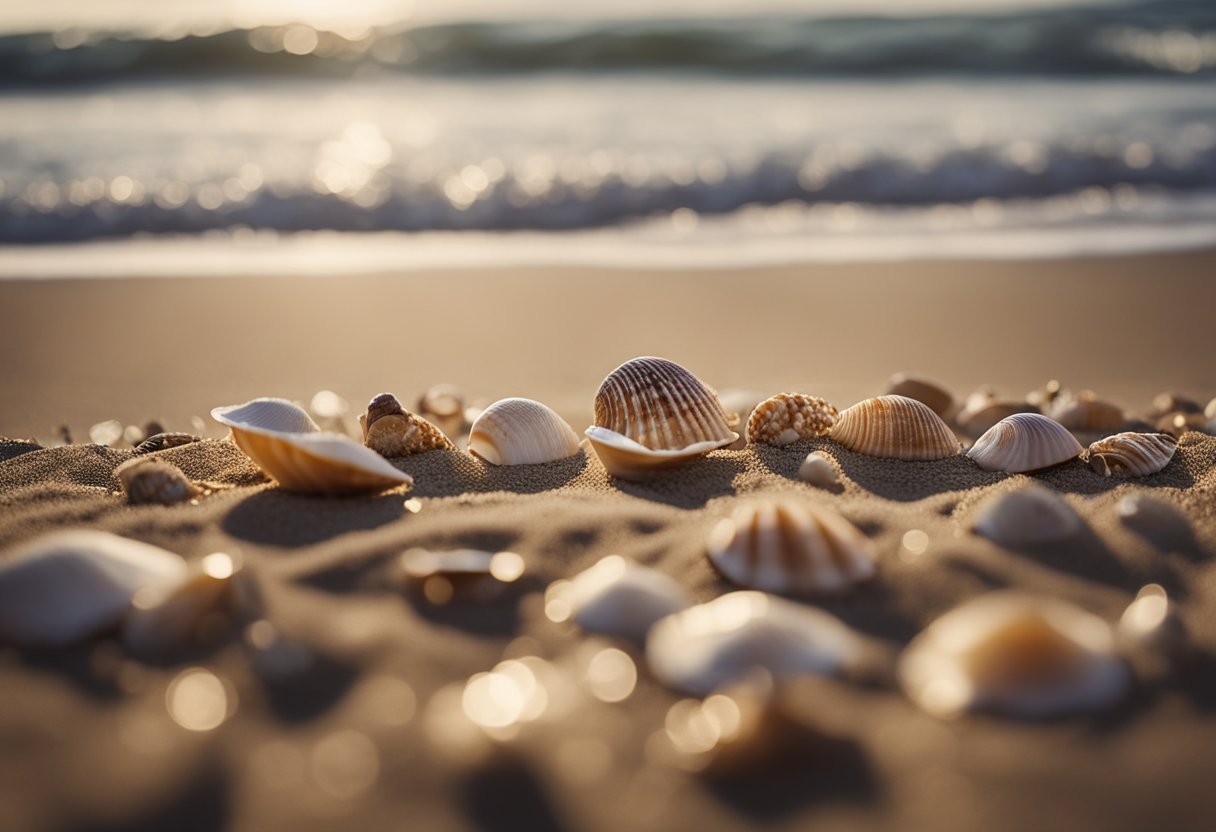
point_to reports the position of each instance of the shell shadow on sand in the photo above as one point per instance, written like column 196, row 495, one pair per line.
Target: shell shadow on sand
column 441, row 473
column 204, row 802
column 690, row 486
column 279, row 518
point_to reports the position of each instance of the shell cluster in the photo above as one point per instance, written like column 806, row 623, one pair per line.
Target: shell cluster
column 1024, row 442
column 392, row 431
column 1029, row 515
column 788, row 417
column 896, row 427
column 521, row 432
column 1132, row 454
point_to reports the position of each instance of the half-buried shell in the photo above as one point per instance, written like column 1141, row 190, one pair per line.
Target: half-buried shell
column 1132, row 454
column 152, row 480
column 788, row 417
column 1024, row 442
column 392, row 431
column 896, row 427
column 938, row 398
column 617, row 597
column 521, row 432
column 1029, row 515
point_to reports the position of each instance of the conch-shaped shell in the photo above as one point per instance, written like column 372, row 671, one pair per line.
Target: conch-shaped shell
column 1026, row 516
column 1024, row 442
column 286, row 444
column 930, row 393
column 722, row 642
column 1132, row 454
column 787, row 546
column 651, row 413
column 151, row 480
column 788, row 417
column 896, row 427
column 1014, row 654
column 392, row 431
column 617, row 597
column 166, row 618
column 521, row 432
column 1086, row 413
column 819, row 470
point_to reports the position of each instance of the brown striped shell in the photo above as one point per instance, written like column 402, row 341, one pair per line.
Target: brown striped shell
column 896, row 427
column 1024, row 442
column 788, row 417
column 1132, row 454
column 392, row 431
column 1087, row 413
column 938, row 398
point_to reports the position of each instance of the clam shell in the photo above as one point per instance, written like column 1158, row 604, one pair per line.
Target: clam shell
column 896, row 427
column 787, row 546
column 724, row 641
column 930, row 393
column 1024, row 442
column 1014, row 654
column 1087, row 414
column 1132, row 454
column 64, row 587
column 1026, row 516
column 392, row 431
column 150, row 480
column 620, row 598
column 819, row 470
column 166, row 618
column 788, row 417
column 521, row 432
column 287, row 445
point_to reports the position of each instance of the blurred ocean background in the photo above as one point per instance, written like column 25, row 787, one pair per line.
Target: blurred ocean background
column 599, row 131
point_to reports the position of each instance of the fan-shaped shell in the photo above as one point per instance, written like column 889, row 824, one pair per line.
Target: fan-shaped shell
column 1087, row 413
column 1132, row 454
column 896, row 427
column 930, row 393
column 1024, row 442
column 1014, row 654
column 620, row 598
column 521, row 432
column 392, row 431
column 286, row 444
column 152, row 480
column 786, row 546
column 788, row 417
column 1026, row 516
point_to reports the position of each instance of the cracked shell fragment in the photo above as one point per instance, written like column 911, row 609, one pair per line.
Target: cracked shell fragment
column 895, row 427
column 521, row 432
column 788, row 417
column 1132, row 454
column 1024, row 442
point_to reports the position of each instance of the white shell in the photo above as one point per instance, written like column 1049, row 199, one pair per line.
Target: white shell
column 63, row 587
column 521, row 432
column 286, row 444
column 711, row 645
column 1024, row 442
column 165, row 618
column 1028, row 515
column 819, row 470
column 1132, row 454
column 792, row 547
column 620, row 598
column 1152, row 622
column 1014, row 654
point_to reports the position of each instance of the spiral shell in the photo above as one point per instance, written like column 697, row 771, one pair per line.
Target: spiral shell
column 788, row 417
column 1029, row 515
column 896, row 427
column 521, row 432
column 151, row 480
column 1088, row 414
column 1024, row 442
column 617, row 597
column 929, row 393
column 1132, row 454
column 392, row 431
column 786, row 546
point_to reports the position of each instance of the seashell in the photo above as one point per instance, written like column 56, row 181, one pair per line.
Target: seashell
column 1152, row 622
column 929, row 393
column 896, row 427
column 1024, row 442
column 976, row 422
column 819, row 470
column 1014, row 654
column 64, row 587
column 1151, row 517
column 652, row 414
column 392, row 431
column 467, row 574
column 786, row 546
column 1029, row 515
column 1132, row 454
column 147, row 480
column 164, row 441
column 788, row 417
column 617, row 597
column 1088, row 414
column 521, row 432
column 443, row 406
column 1165, row 404
column 285, row 443
column 1045, row 396
column 168, row 617
column 1210, row 410
column 1177, row 424
column 724, row 641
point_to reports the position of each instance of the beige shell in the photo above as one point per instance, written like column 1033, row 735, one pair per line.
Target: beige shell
column 150, row 480
column 1024, row 442
column 977, row 417
column 819, row 470
column 1014, row 654
column 896, row 427
column 521, row 432
column 166, row 618
column 930, row 393
column 392, row 431
column 788, row 546
column 1028, row 515
column 1086, row 413
column 1177, row 424
column 788, row 417
column 1132, row 454
column 443, row 406
column 618, row 597
column 287, row 445
column 1167, row 403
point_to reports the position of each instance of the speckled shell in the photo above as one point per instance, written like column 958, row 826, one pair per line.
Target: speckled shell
column 521, row 432
column 791, row 547
column 929, row 393
column 167, row 618
column 1087, row 414
column 1026, row 516
column 617, row 597
column 819, row 470
column 895, row 427
column 1132, row 454
column 1014, row 654
column 392, row 431
column 788, row 417
column 287, row 445
column 151, row 480
column 1024, row 442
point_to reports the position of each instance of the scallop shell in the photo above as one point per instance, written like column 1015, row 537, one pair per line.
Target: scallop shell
column 163, row 441
column 724, row 641
column 166, row 618
column 786, row 546
column 1087, row 413
column 819, row 470
column 1024, row 442
column 1029, row 515
column 392, row 431
column 1132, row 454
column 788, row 417
column 67, row 586
column 521, row 432
column 651, row 414
column 929, row 393
column 619, row 598
column 896, row 427
column 1014, row 654
column 150, row 480
column 470, row 574
column 286, row 444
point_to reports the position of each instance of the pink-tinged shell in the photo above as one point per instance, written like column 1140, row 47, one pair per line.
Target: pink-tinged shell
column 1088, row 414
column 788, row 417
column 1132, row 454
column 930, row 393
column 895, row 427
column 1024, row 442
column 521, row 432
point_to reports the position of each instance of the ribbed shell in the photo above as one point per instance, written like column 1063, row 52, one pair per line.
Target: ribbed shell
column 661, row 406
column 790, row 547
column 392, row 431
column 895, row 427
column 930, row 393
column 1132, row 454
column 788, row 417
column 1088, row 414
column 521, row 432
column 1024, row 442
column 1029, row 515
column 152, row 480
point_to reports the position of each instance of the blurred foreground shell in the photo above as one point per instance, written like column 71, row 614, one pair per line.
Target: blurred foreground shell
column 1132, row 454
column 168, row 617
column 1024, row 442
column 819, row 470
column 461, row 574
column 1087, row 413
column 150, row 480
column 1151, row 622
column 521, row 432
column 896, row 427
column 1167, row 403
column 1014, row 654
column 1028, row 515
column 286, row 444
column 791, row 547
column 724, row 641
column 929, row 393
column 617, row 597
column 67, row 586
column 164, row 441
column 392, row 431
column 788, row 417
